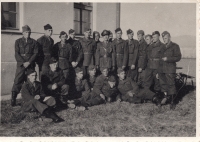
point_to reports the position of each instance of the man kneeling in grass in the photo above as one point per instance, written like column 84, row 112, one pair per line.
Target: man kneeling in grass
column 34, row 98
column 130, row 91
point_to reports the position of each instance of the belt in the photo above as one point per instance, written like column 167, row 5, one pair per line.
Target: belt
column 62, row 58
column 25, row 54
column 87, row 53
column 105, row 56
column 119, row 54
column 155, row 59
column 47, row 54
column 131, row 53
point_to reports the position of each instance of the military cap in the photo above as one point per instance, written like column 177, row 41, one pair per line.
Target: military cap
column 148, row 36
column 62, row 33
column 119, row 70
column 91, row 67
column 53, row 60
column 26, row 28
column 129, row 31
column 118, row 29
column 111, row 78
column 103, row 68
column 140, row 32
column 47, row 26
column 156, row 33
column 165, row 33
column 30, row 71
column 71, row 31
column 105, row 32
column 77, row 70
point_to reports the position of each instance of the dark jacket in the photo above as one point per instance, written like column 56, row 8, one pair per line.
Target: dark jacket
column 105, row 55
column 25, row 51
column 88, row 47
column 142, row 54
column 100, row 80
column 91, row 81
column 133, row 46
column 173, row 54
column 120, row 49
column 77, row 51
column 63, row 54
column 29, row 91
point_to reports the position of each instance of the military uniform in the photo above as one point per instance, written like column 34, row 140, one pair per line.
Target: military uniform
column 120, row 49
column 133, row 46
column 88, row 47
column 45, row 51
column 91, row 81
column 104, row 55
column 153, row 59
column 29, row 91
column 167, row 69
column 63, row 52
column 25, row 51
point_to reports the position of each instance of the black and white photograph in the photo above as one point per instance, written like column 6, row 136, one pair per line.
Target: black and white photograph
column 98, row 69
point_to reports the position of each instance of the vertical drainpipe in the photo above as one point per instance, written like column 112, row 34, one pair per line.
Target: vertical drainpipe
column 117, row 15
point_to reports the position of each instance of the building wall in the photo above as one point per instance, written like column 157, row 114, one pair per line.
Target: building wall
column 60, row 16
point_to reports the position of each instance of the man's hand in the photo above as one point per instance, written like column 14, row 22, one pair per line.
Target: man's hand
column 73, row 64
column 54, row 86
column 140, row 70
column 164, row 58
column 26, row 64
column 113, row 68
column 157, row 76
column 119, row 100
column 102, row 96
column 133, row 67
column 130, row 94
column 123, row 67
column 37, row 97
column 97, row 66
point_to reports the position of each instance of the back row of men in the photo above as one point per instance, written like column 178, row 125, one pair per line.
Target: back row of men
column 142, row 61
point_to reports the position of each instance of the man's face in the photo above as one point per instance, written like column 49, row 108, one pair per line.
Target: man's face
column 97, row 37
column 119, row 34
column 79, row 75
column 48, row 32
column 140, row 37
column 87, row 34
column 32, row 77
column 156, row 38
column 72, row 35
column 92, row 72
column 26, row 34
column 166, row 39
column 130, row 36
column 105, row 38
column 148, row 40
column 122, row 75
column 63, row 38
column 110, row 36
column 105, row 72
column 53, row 66
column 112, row 84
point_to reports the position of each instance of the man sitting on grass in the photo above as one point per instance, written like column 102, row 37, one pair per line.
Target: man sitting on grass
column 92, row 76
column 35, row 99
column 130, row 91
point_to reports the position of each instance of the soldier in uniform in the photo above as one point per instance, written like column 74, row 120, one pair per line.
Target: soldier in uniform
column 110, row 36
column 89, row 46
column 130, row 91
column 153, row 57
column 62, row 51
column 141, row 57
column 96, row 36
column 26, row 51
column 92, row 76
column 45, row 49
column 104, row 53
column 120, row 49
column 53, row 82
column 167, row 67
column 34, row 98
column 133, row 46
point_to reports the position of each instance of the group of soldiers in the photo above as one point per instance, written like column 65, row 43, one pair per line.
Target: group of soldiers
column 86, row 72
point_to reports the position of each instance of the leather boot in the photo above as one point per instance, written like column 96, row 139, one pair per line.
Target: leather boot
column 156, row 100
column 49, row 114
column 13, row 98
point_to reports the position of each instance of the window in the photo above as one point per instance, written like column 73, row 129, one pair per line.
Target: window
column 82, row 17
column 9, row 15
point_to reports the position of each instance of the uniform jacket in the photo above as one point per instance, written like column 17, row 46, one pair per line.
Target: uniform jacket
column 133, row 46
column 127, row 85
column 154, row 52
column 120, row 49
column 25, row 51
column 91, row 81
column 88, row 47
column 105, row 55
column 142, row 54
column 49, row 78
column 77, row 52
column 63, row 54
column 100, row 80
column 173, row 54
column 29, row 91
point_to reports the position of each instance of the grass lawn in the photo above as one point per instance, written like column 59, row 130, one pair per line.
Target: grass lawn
column 114, row 119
